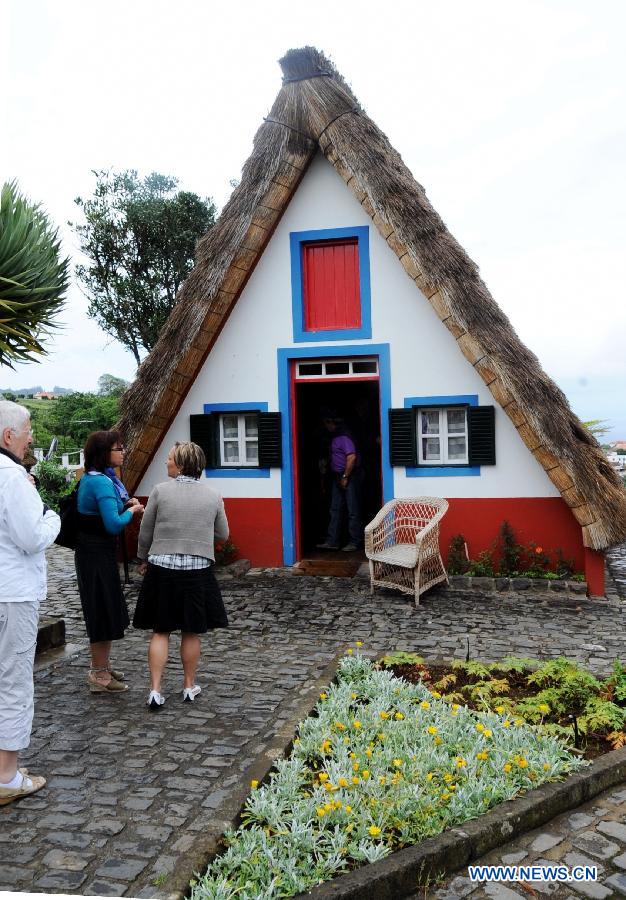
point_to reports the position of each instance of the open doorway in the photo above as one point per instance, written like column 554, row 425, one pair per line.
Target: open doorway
column 357, row 402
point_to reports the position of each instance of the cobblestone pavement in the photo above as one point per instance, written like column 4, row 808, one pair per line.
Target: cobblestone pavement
column 592, row 835
column 129, row 791
column 616, row 565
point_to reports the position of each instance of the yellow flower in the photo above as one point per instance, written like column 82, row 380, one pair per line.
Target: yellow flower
column 425, row 704
column 499, row 709
column 381, row 735
column 348, row 809
column 354, row 696
column 340, row 726
column 399, row 716
column 461, row 763
column 519, row 721
column 506, row 724
column 254, row 784
column 543, row 708
column 436, row 694
column 546, row 767
column 429, row 777
column 355, row 766
column 448, row 777
column 323, row 696
column 356, row 724
column 397, row 762
column 326, row 745
column 482, row 755
column 337, row 804
column 431, row 729
column 349, row 651
column 321, row 811
column 522, row 763
column 382, row 780
column 480, row 727
column 438, row 740
column 323, row 777
column 342, row 782
column 368, row 753
column 455, row 707
column 374, row 830
column 330, row 786
column 328, row 807
column 445, row 796
column 488, row 733
column 359, row 643
column 507, row 767
column 353, row 755
column 365, row 774
column 356, row 779
column 383, row 714
column 346, row 740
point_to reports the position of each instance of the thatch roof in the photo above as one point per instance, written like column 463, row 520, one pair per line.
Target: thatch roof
column 315, row 110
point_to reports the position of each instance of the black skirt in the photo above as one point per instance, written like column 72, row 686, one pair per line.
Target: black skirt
column 99, row 586
column 175, row 600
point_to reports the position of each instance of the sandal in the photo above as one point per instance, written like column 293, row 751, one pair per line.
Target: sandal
column 97, row 687
column 30, row 785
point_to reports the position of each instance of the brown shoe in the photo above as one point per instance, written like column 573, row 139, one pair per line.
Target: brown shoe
column 30, row 785
column 113, row 686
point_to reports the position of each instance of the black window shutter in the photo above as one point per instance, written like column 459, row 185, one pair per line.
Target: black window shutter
column 402, row 441
column 481, row 426
column 203, row 431
column 270, row 440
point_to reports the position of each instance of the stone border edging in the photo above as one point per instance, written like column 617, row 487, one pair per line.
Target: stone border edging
column 402, row 873
column 50, row 633
column 502, row 584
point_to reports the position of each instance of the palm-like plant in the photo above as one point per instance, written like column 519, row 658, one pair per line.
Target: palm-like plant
column 33, row 277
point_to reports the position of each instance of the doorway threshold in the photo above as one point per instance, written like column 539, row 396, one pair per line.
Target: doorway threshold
column 334, row 568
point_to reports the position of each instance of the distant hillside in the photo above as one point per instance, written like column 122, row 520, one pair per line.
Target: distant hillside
column 62, row 391
column 21, row 392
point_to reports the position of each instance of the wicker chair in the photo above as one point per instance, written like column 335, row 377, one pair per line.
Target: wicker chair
column 402, row 545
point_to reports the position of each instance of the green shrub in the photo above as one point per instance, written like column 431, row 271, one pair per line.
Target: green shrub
column 54, row 482
column 458, row 563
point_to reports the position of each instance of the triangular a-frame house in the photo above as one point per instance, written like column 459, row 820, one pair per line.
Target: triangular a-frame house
column 329, row 281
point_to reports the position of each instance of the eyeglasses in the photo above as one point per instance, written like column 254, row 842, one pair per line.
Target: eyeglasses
column 120, row 449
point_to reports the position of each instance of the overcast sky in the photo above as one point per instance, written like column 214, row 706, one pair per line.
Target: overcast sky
column 510, row 114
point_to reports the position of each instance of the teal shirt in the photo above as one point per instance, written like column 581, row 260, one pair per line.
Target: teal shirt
column 97, row 497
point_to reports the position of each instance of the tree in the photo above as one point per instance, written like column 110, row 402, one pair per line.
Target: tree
column 111, row 386
column 76, row 415
column 140, row 236
column 598, row 427
column 33, row 277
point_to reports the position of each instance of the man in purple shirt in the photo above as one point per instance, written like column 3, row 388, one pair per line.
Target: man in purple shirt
column 346, row 487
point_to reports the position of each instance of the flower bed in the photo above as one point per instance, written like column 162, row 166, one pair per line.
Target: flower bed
column 381, row 764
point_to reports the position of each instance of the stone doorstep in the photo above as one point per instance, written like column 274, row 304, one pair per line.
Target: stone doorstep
column 397, row 875
column 50, row 634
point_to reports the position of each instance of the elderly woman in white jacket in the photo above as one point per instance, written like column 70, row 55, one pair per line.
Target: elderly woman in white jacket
column 27, row 528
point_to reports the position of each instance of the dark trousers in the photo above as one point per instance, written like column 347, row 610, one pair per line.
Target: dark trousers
column 342, row 501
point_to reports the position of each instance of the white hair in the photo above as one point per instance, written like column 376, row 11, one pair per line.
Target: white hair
column 13, row 416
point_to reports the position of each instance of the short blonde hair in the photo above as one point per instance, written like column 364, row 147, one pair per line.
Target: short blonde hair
column 189, row 459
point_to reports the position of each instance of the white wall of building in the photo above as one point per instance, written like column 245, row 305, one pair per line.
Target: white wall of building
column 425, row 360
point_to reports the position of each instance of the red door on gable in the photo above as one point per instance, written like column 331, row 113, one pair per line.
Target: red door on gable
column 331, row 285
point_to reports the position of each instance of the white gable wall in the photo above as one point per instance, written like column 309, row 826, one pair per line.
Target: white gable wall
column 425, row 359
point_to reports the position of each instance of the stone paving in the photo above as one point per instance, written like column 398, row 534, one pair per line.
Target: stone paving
column 130, row 791
column 592, row 835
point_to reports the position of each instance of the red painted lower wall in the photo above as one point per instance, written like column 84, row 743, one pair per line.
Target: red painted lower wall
column 256, row 529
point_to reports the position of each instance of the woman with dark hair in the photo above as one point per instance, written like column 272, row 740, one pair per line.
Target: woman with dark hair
column 184, row 517
column 104, row 509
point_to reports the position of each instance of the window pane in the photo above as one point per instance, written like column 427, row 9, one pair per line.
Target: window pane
column 456, row 449
column 230, row 424
column 430, row 448
column 231, row 451
column 337, row 368
column 310, row 368
column 430, row 421
column 368, row 365
column 252, row 451
column 252, row 426
column 456, row 421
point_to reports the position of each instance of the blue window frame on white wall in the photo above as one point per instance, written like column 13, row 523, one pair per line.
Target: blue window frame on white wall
column 238, row 440
column 297, row 239
column 442, row 435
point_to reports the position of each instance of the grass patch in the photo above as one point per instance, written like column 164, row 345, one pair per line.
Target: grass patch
column 380, row 764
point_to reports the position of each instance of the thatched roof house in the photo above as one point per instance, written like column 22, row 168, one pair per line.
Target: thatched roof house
column 315, row 111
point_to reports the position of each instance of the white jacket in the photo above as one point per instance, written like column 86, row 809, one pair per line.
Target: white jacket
column 25, row 532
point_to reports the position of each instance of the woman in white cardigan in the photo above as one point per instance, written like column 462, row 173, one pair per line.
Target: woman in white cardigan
column 183, row 518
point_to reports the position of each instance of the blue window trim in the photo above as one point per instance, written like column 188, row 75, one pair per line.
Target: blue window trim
column 244, row 471
column 296, row 239
column 285, row 355
column 441, row 471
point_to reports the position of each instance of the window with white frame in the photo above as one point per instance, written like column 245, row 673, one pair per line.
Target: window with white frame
column 239, row 439
column 442, row 435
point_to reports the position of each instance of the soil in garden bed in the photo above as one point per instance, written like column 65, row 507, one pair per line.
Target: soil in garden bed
column 591, row 745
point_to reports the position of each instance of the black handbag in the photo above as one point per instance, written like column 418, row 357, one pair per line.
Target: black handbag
column 68, row 512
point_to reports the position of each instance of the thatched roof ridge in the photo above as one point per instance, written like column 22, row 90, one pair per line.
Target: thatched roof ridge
column 315, row 110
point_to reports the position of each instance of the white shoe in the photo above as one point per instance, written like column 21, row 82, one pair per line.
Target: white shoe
column 190, row 694
column 155, row 700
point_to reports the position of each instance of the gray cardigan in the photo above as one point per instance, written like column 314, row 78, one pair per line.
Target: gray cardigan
column 182, row 517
